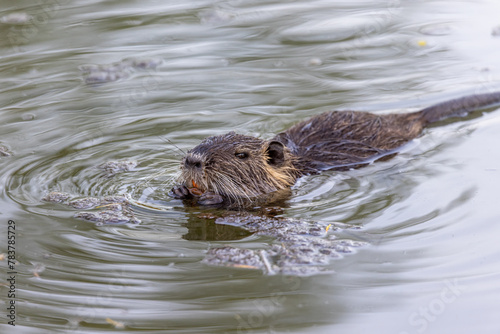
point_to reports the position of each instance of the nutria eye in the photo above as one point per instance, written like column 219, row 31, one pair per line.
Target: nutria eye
column 241, row 155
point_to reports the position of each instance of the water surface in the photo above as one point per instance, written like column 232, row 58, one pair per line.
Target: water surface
column 429, row 217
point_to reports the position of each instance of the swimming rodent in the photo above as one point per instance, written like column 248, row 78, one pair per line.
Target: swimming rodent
column 232, row 167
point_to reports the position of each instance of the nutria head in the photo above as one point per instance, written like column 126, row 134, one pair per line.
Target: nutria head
column 237, row 166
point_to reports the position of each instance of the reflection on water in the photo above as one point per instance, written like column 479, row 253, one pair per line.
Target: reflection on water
column 208, row 230
column 85, row 83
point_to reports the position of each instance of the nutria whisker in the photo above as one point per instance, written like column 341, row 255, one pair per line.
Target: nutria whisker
column 168, row 141
column 226, row 188
column 221, row 184
column 225, row 185
column 172, row 177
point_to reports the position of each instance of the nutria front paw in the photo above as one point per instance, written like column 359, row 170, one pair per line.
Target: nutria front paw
column 180, row 191
column 210, row 198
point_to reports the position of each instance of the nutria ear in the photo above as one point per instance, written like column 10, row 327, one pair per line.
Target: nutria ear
column 275, row 153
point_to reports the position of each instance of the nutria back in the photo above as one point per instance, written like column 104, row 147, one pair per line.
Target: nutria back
column 345, row 139
column 233, row 166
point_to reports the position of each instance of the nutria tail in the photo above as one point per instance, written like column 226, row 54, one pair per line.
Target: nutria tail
column 459, row 107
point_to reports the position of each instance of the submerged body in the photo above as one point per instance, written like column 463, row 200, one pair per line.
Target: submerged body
column 232, row 167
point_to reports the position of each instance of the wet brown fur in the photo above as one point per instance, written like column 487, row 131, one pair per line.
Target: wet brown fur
column 237, row 166
column 345, row 139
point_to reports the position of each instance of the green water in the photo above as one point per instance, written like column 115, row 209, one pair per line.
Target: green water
column 430, row 216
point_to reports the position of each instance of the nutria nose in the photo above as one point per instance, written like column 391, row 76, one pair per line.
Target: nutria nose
column 192, row 162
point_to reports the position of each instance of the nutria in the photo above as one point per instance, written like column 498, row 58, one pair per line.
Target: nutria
column 231, row 167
